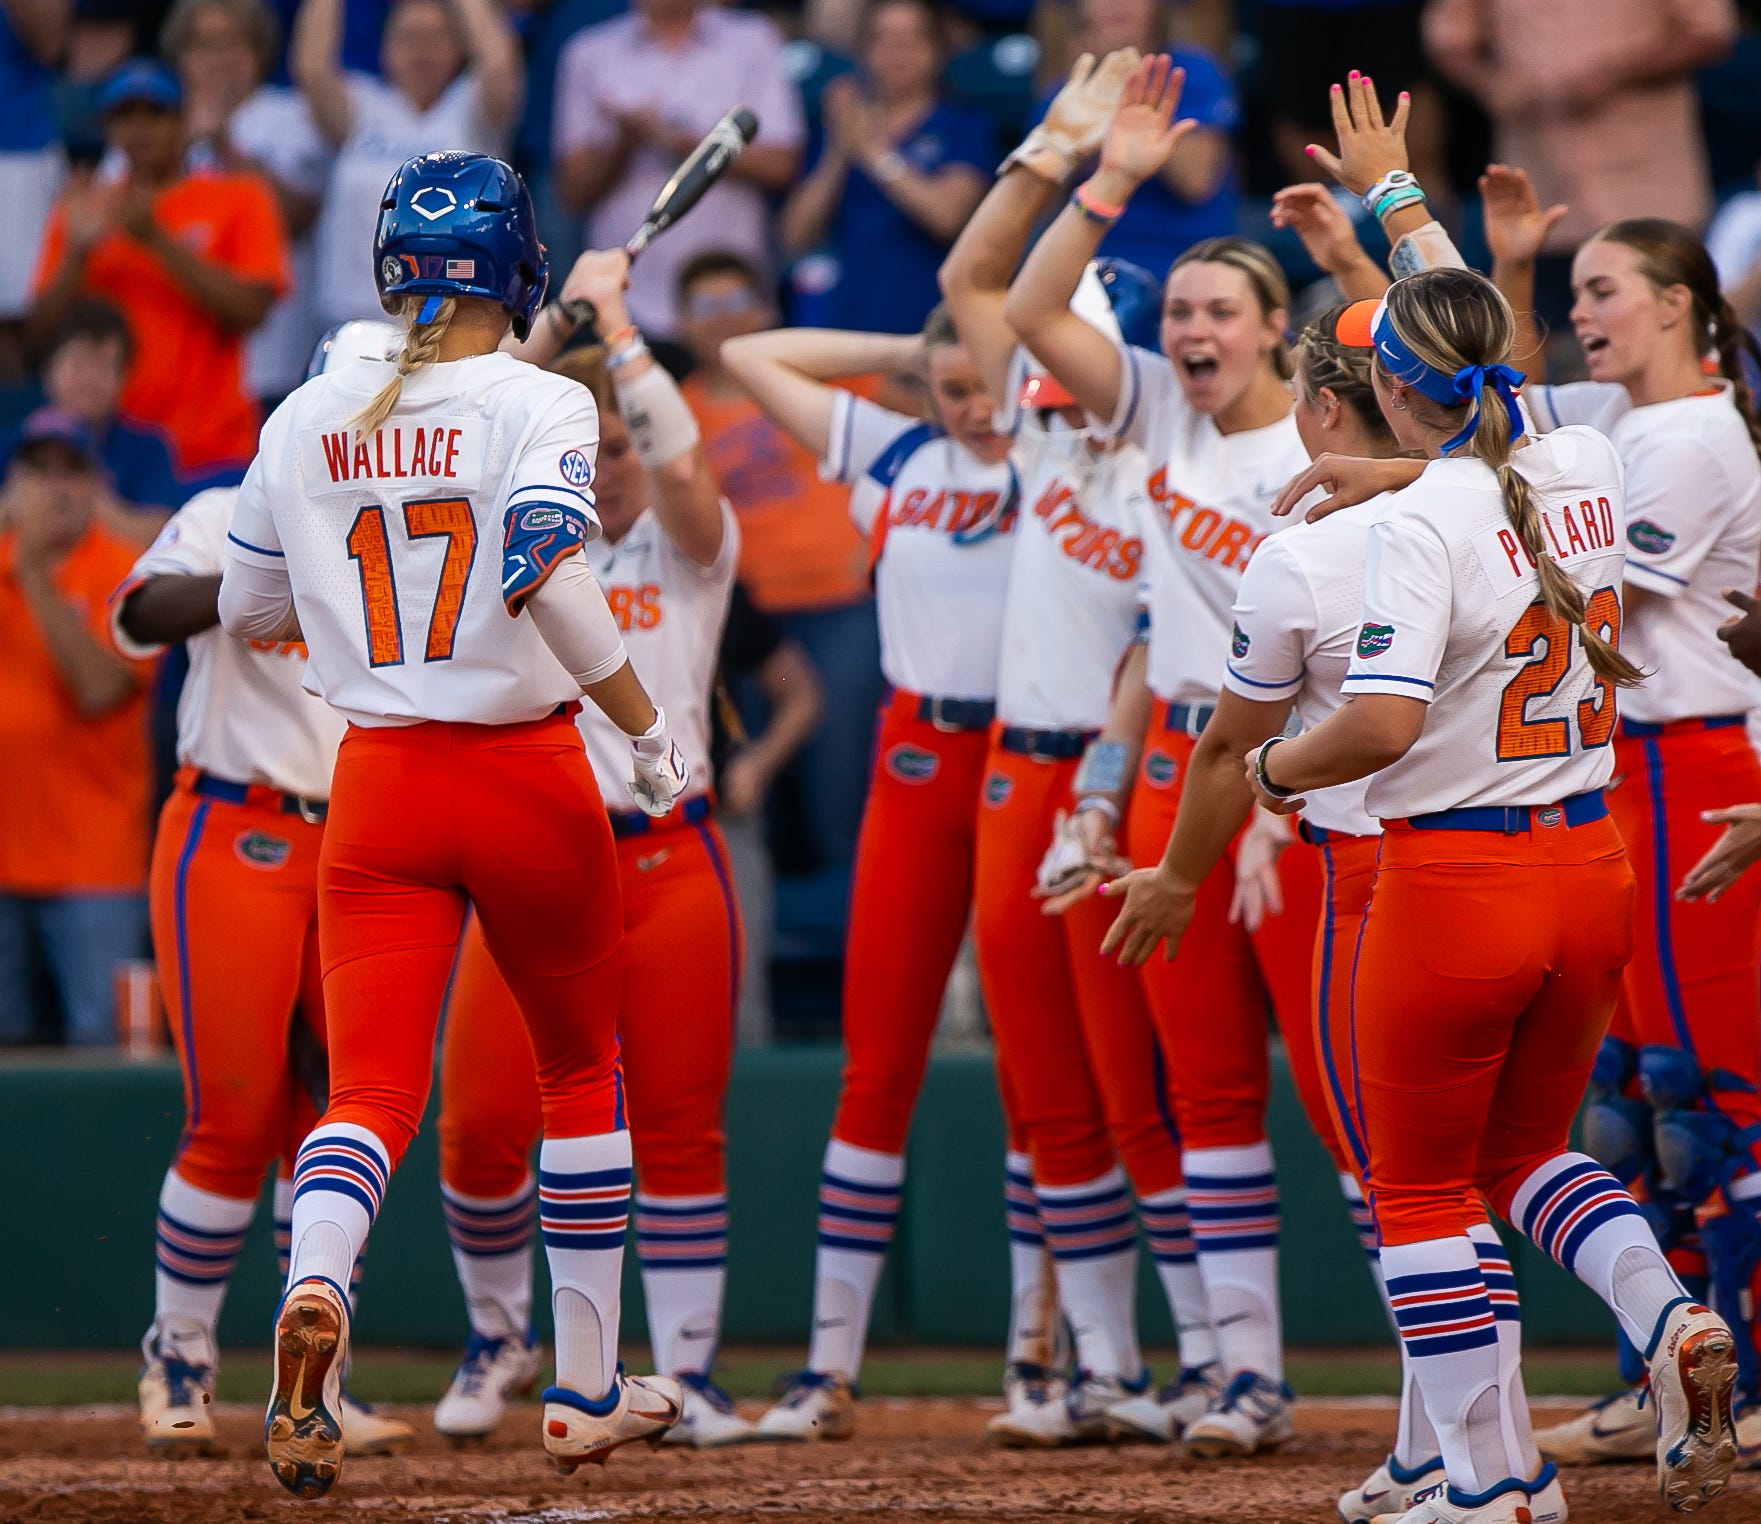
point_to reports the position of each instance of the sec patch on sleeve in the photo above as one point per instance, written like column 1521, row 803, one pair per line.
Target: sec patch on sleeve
column 575, row 467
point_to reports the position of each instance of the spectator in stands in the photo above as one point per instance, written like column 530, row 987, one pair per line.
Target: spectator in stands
column 452, row 81
column 73, row 743
column 1195, row 195
column 634, row 96
column 1595, row 99
column 895, row 172
column 224, row 52
column 193, row 260
column 32, row 36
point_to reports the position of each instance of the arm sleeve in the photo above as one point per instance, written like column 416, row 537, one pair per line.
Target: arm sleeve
column 1150, row 402
column 252, row 537
column 861, row 433
column 1674, row 512
column 1274, row 614
column 1407, row 597
column 577, row 624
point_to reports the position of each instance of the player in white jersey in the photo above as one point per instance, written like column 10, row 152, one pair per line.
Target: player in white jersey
column 1481, row 701
column 939, row 504
column 666, row 560
column 1212, row 414
column 234, row 901
column 462, row 778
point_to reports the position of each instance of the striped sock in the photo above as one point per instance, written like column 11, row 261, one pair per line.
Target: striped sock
column 1033, row 1288
column 1583, row 1218
column 858, row 1209
column 1450, row 1336
column 1233, row 1197
column 339, row 1182
column 1168, row 1226
column 492, row 1250
column 583, row 1214
column 196, row 1243
column 1363, row 1221
column 683, row 1245
column 1093, row 1240
column 1500, row 1279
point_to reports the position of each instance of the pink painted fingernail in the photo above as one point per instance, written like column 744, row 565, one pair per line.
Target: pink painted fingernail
column 1406, row 95
column 1310, row 150
column 1355, row 74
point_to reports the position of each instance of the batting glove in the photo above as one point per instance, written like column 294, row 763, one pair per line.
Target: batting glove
column 661, row 773
column 1076, row 121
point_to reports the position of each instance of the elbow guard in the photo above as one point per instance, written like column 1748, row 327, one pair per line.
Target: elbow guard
column 539, row 536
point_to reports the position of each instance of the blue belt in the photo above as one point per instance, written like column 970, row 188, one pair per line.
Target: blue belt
column 956, row 713
column 1320, row 836
column 1509, row 820
column 1189, row 718
column 211, row 787
column 1639, row 730
column 640, row 823
column 1045, row 745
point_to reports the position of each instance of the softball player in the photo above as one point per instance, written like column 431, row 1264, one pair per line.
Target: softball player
column 234, row 908
column 938, row 503
column 666, row 561
column 1502, row 911
column 1213, row 417
column 461, row 775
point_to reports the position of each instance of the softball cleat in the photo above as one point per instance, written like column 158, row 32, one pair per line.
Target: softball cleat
column 303, row 1429
column 1693, row 1371
column 585, row 1430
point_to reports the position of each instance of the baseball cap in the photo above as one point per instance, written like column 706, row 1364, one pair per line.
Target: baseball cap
column 57, row 425
column 141, row 79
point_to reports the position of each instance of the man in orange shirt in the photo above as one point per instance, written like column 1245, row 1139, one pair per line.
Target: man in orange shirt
column 194, row 260
column 74, row 772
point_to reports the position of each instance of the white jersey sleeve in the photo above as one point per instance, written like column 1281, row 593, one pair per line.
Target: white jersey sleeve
column 1408, row 592
column 1274, row 611
column 1677, row 507
column 1151, row 405
column 252, row 536
column 863, row 434
column 1599, row 404
column 192, row 544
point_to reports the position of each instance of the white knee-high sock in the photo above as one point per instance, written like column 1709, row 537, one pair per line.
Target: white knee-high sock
column 1233, row 1197
column 1167, row 1224
column 196, row 1243
column 1033, row 1288
column 339, row 1182
column 683, row 1245
column 492, row 1251
column 1415, row 1440
column 1500, row 1279
column 858, row 1210
column 1093, row 1240
column 583, row 1214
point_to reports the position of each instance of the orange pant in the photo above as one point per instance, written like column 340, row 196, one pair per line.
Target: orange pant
column 1210, row 1003
column 676, row 1027
column 909, row 904
column 424, row 818
column 1348, row 869
column 1487, row 970
column 1072, row 1028
column 234, row 901
column 1695, row 978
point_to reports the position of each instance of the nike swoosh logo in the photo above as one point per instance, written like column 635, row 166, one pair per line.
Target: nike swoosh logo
column 1234, row 1317
column 668, row 1414
column 643, row 864
column 832, row 1323
column 296, row 1409
column 1371, row 1497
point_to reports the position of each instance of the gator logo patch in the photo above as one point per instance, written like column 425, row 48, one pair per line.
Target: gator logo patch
column 997, row 789
column 1652, row 539
column 912, row 764
column 1374, row 639
column 1549, row 816
column 538, row 519
column 1238, row 643
column 1159, row 769
column 261, row 850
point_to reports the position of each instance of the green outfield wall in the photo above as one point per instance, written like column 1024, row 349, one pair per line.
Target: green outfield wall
column 87, row 1145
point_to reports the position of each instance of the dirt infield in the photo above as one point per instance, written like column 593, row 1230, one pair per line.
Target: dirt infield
column 919, row 1460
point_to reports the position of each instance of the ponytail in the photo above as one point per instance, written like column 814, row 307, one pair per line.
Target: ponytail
column 1733, row 344
column 421, row 347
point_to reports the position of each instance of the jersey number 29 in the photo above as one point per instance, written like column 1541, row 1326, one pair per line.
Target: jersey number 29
column 448, row 518
column 1547, row 641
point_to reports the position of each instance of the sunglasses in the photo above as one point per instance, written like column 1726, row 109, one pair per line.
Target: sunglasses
column 726, row 304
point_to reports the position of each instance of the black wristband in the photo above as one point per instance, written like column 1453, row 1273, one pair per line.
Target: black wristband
column 1264, row 778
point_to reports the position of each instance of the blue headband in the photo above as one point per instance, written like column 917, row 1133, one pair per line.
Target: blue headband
column 1465, row 385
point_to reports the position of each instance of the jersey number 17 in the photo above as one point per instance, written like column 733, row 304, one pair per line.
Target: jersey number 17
column 448, row 518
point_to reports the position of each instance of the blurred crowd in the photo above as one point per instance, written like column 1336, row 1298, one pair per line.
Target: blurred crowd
column 187, row 197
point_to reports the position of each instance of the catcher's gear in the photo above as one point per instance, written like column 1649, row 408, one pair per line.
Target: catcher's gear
column 1081, row 858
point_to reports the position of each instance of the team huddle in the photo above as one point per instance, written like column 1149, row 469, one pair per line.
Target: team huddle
column 1372, row 683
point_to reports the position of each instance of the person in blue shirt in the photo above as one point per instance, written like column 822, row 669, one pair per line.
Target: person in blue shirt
column 1195, row 196
column 894, row 172
column 32, row 37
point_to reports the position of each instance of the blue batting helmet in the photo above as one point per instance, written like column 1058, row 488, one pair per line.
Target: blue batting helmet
column 1136, row 299
column 460, row 224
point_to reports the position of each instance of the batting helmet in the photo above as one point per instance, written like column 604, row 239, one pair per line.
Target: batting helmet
column 1121, row 299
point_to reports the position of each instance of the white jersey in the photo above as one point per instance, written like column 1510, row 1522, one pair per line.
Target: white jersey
column 1693, row 501
column 398, row 545
column 671, row 610
column 1208, row 508
column 1453, row 616
column 940, row 526
column 1297, row 616
column 243, row 714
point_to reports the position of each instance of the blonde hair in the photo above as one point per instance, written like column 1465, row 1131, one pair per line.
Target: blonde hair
column 586, row 364
column 1454, row 318
column 1264, row 277
column 421, row 347
column 1323, row 359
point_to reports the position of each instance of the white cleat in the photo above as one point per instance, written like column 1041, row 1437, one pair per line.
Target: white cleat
column 1693, row 1370
column 302, row 1431
column 1541, row 1501
column 581, row 1430
column 177, row 1394
column 1033, row 1408
column 1618, row 1428
column 1084, row 1417
column 1248, row 1416
column 492, row 1372
column 1390, row 1489
column 367, row 1432
column 1162, row 1417
column 709, row 1421
column 814, row 1406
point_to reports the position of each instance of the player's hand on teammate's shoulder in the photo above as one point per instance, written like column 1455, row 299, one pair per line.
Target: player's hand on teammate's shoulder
column 1743, row 634
column 662, row 775
column 1347, row 480
column 1156, row 907
column 1735, row 852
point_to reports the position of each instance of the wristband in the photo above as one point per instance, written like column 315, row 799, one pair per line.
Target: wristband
column 1261, row 776
column 1102, row 804
column 635, row 349
column 890, row 167
column 1395, row 179
column 1103, row 769
column 653, row 742
column 1396, row 199
column 1083, row 199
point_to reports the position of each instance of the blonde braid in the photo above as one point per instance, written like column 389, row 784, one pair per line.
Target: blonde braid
column 421, row 347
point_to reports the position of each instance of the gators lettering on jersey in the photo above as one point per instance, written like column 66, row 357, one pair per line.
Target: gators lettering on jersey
column 1206, row 512
column 407, row 549
column 940, row 524
column 1452, row 609
column 243, row 714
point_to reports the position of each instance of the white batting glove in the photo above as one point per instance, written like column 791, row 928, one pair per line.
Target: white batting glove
column 1258, row 890
column 661, row 773
column 1076, row 121
column 1081, row 857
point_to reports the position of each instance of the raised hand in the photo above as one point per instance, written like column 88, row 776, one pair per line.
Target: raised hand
column 1311, row 212
column 598, row 278
column 1143, row 131
column 1369, row 145
column 1516, row 227
column 1080, row 112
